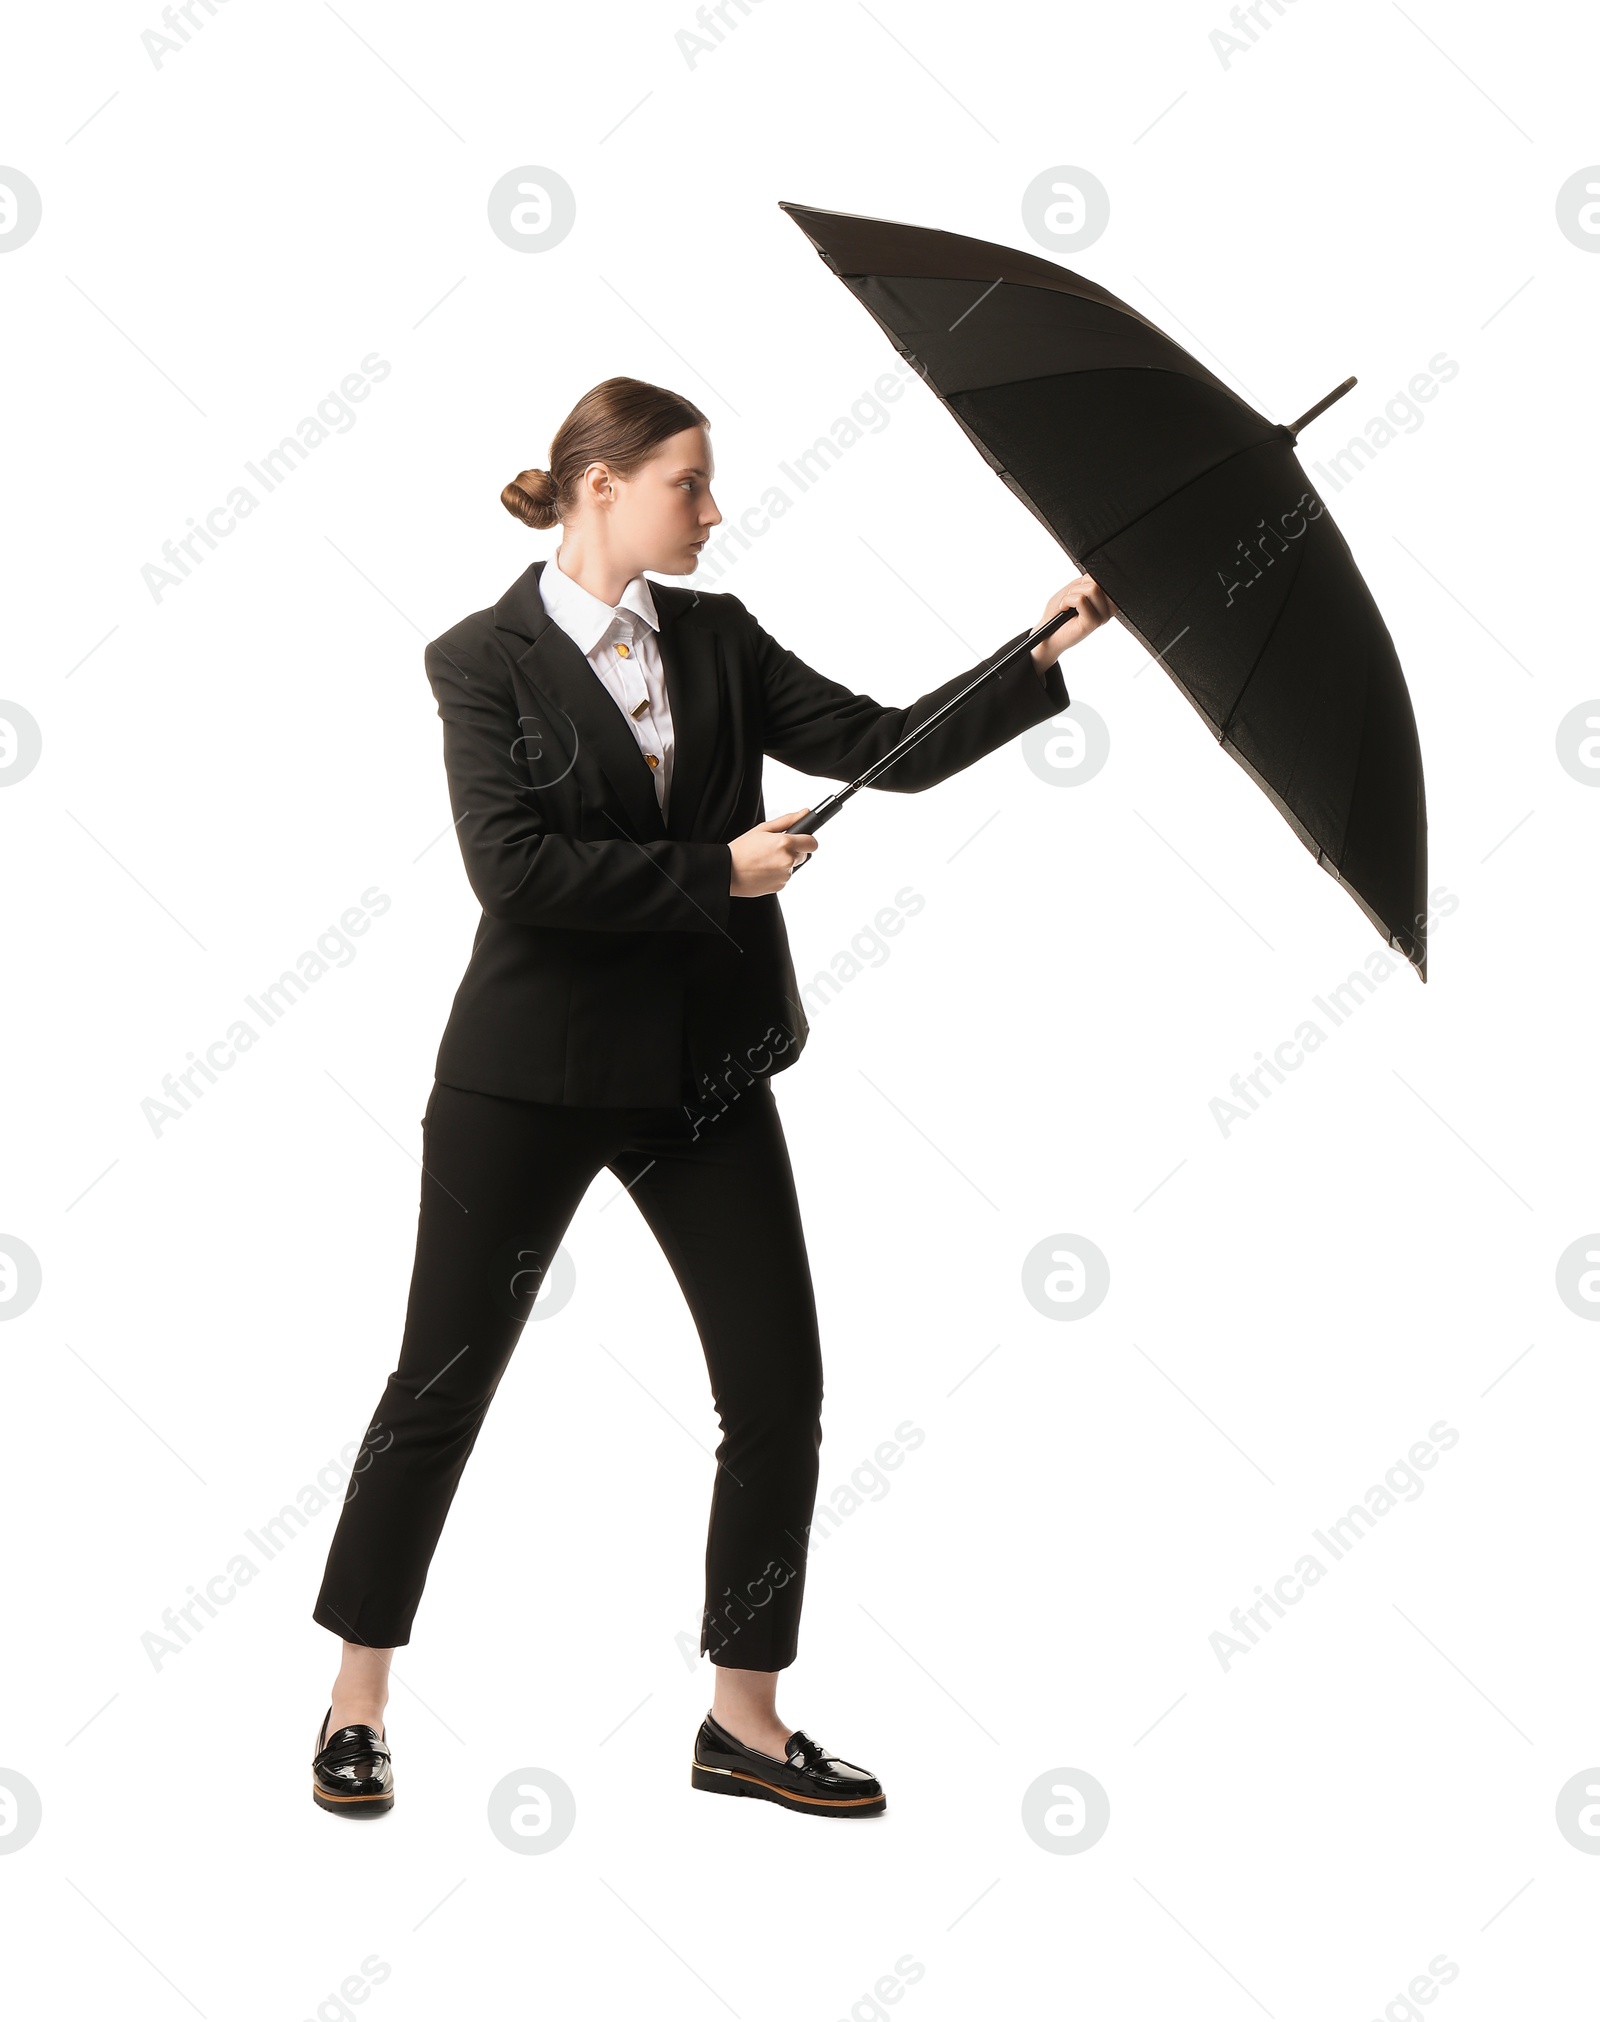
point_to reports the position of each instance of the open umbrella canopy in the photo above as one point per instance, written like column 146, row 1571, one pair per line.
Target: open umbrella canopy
column 1192, row 511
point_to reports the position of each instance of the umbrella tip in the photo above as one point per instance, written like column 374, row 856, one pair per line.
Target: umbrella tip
column 1327, row 401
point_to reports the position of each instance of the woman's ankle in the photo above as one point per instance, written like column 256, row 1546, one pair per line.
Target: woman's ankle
column 356, row 1709
column 744, row 1702
column 360, row 1688
column 761, row 1731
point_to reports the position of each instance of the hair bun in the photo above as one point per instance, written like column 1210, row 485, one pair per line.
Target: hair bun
column 531, row 495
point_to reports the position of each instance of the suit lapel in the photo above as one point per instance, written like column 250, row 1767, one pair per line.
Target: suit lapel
column 559, row 671
column 551, row 663
column 689, row 655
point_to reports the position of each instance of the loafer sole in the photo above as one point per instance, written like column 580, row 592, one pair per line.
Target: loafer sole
column 353, row 1807
column 737, row 1783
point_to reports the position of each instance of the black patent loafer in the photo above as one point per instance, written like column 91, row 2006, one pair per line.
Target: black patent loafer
column 806, row 1778
column 351, row 1772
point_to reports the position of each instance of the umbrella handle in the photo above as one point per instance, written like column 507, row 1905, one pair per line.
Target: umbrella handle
column 825, row 810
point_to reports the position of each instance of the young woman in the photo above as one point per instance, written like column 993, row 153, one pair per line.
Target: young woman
column 628, row 999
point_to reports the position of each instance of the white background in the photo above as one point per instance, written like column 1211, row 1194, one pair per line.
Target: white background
column 1292, row 1305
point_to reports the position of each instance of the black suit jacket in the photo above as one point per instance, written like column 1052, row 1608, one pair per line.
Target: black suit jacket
column 611, row 965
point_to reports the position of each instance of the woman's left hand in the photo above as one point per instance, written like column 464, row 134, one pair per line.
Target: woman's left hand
column 1094, row 608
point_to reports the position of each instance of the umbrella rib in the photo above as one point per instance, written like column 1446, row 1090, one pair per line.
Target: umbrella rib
column 1101, row 300
column 1323, row 853
column 1117, row 533
column 1037, row 379
column 1261, row 651
column 1221, row 729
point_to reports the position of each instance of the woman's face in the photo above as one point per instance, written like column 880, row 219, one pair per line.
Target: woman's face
column 664, row 513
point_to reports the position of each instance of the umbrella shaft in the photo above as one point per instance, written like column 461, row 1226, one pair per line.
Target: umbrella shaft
column 825, row 810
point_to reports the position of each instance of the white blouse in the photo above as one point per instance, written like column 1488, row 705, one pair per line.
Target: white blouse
column 621, row 646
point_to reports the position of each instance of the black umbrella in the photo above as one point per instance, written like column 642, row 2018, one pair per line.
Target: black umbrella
column 1192, row 512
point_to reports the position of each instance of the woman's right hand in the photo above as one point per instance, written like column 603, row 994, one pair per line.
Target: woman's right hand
column 764, row 858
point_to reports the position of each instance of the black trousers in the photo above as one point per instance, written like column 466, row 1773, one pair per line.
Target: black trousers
column 501, row 1181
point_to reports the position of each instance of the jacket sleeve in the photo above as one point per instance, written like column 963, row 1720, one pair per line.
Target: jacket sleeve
column 524, row 871
column 818, row 726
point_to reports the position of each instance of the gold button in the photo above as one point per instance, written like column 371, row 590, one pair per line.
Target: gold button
column 624, row 650
column 651, row 760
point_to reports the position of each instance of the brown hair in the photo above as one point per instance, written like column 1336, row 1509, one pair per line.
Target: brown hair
column 620, row 422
